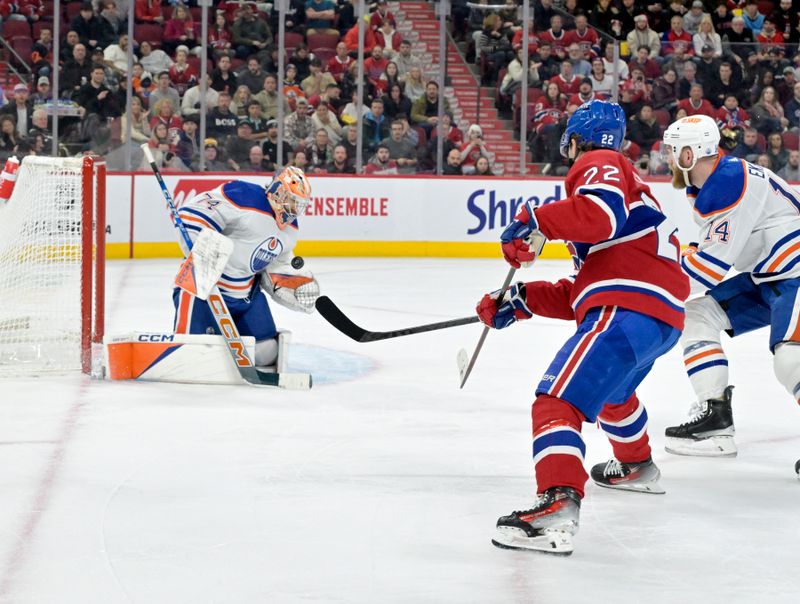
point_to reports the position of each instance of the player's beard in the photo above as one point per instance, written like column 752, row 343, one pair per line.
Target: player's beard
column 678, row 178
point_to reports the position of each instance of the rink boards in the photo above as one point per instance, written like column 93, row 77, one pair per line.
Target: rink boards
column 363, row 216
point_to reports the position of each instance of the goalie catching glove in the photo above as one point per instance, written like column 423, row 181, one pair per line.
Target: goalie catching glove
column 296, row 289
column 512, row 307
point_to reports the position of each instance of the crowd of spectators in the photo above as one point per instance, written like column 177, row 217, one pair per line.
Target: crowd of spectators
column 736, row 61
column 320, row 88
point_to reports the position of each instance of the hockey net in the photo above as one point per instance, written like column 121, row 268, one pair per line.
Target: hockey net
column 52, row 266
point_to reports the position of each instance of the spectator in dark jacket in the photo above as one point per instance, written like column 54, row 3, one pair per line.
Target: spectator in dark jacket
column 93, row 31
column 76, row 71
column 644, row 129
column 96, row 98
column 250, row 34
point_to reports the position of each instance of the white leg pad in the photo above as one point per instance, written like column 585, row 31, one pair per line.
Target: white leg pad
column 273, row 354
column 787, row 367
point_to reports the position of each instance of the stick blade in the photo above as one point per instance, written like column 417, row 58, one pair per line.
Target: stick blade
column 287, row 381
column 331, row 313
column 462, row 360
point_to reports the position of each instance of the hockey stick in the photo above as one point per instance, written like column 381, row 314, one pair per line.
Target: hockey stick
column 466, row 364
column 225, row 323
column 333, row 315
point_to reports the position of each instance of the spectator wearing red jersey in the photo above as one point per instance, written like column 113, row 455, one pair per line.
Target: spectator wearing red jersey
column 472, row 149
column 731, row 116
column 533, row 40
column 567, row 82
column 585, row 37
column 180, row 29
column 548, row 111
column 643, row 61
column 696, row 104
column 21, row 10
column 181, row 74
column 380, row 15
column 339, row 63
column 556, row 37
column 165, row 114
column 148, row 11
column 676, row 37
column 219, row 36
column 770, row 37
column 375, row 65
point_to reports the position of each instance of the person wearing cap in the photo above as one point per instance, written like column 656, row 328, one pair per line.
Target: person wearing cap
column 692, row 19
column 268, row 98
column 188, row 146
column 706, row 36
column 43, row 92
column 642, row 35
column 784, row 87
column 270, row 145
column 211, row 156
column 297, row 126
column 317, row 81
column 190, row 103
column 20, row 109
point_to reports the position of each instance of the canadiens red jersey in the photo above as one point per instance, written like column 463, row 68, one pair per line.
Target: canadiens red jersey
column 624, row 248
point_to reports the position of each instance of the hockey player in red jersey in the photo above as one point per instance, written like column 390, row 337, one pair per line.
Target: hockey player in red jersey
column 627, row 298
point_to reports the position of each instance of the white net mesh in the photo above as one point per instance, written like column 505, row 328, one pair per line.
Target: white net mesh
column 40, row 268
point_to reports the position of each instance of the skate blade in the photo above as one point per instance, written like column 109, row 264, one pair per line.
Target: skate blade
column 558, row 543
column 716, row 446
column 653, row 488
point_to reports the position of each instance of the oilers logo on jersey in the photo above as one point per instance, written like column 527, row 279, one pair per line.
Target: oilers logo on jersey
column 265, row 253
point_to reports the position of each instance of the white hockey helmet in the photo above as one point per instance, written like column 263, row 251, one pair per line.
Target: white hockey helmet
column 698, row 132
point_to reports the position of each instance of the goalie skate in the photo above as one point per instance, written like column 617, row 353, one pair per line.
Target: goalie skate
column 708, row 433
column 547, row 527
column 641, row 477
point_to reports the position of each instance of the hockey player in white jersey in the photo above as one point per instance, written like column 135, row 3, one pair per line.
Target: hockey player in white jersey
column 262, row 223
column 749, row 221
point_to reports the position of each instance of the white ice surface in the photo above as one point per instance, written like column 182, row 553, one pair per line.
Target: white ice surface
column 383, row 484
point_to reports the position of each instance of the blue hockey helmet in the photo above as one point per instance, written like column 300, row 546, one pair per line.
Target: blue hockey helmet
column 601, row 123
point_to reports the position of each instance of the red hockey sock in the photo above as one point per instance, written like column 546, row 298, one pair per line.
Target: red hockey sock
column 626, row 428
column 558, row 447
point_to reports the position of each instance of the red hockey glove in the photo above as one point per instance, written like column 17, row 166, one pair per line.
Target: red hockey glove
column 512, row 308
column 521, row 241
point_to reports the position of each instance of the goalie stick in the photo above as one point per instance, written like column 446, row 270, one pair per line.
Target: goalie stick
column 333, row 315
column 225, row 323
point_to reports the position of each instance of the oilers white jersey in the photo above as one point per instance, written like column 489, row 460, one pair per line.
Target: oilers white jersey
column 240, row 211
column 749, row 220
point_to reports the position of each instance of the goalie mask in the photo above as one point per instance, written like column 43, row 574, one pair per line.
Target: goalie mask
column 288, row 194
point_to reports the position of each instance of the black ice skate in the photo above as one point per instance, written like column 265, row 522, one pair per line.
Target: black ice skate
column 640, row 476
column 709, row 432
column 547, row 527
column 797, row 468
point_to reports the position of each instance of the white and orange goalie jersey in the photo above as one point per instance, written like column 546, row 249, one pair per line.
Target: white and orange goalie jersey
column 240, row 211
column 750, row 221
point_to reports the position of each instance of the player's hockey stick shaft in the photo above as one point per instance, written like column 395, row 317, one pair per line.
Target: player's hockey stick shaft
column 333, row 315
column 485, row 332
column 222, row 315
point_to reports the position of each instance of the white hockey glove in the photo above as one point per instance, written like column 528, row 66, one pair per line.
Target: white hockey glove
column 296, row 289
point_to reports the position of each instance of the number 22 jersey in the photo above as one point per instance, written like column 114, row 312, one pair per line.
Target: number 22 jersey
column 624, row 248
